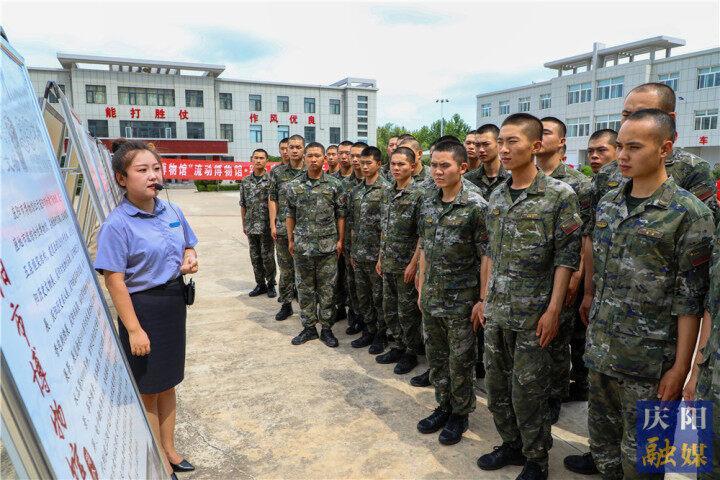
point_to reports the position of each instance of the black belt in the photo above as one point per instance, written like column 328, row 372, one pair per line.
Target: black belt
column 165, row 285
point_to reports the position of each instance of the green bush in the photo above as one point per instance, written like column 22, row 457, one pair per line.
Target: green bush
column 716, row 171
column 586, row 170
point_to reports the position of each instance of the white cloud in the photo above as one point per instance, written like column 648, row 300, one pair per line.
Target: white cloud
column 436, row 49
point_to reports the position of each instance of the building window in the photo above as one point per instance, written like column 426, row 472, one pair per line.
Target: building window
column 51, row 96
column 485, row 109
column 706, row 119
column 334, row 106
column 545, row 101
column 283, row 104
column 283, row 131
column 607, row 121
column 309, row 105
column 195, row 130
column 143, row 129
column 99, row 128
column 335, row 135
column 708, row 77
column 670, row 79
column 610, row 88
column 362, row 98
column 504, row 107
column 255, row 103
column 193, row 98
column 524, row 104
column 226, row 101
column 162, row 97
column 95, row 94
column 309, row 134
column 578, row 127
column 226, row 131
column 579, row 93
column 256, row 133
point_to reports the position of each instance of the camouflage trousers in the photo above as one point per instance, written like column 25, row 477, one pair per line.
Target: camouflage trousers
column 517, row 380
column 262, row 258
column 450, row 351
column 402, row 315
column 369, row 289
column 612, row 417
column 286, row 287
column 349, row 278
column 708, row 388
column 578, row 370
column 341, row 284
column 316, row 276
column 559, row 350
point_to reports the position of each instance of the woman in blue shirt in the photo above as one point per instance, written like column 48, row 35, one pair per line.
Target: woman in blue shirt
column 144, row 247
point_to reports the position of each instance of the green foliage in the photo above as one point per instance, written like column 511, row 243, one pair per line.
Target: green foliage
column 426, row 135
column 716, row 171
column 215, row 186
column 586, row 170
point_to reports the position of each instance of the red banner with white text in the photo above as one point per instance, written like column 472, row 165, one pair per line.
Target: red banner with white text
column 181, row 169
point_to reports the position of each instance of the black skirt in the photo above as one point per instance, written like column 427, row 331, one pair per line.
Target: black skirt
column 162, row 313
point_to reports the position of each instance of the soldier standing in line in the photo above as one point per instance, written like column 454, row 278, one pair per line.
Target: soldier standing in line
column 550, row 160
column 471, row 149
column 281, row 175
column 355, row 319
column 342, row 299
column 256, row 225
column 534, row 231
column 453, row 242
column 315, row 224
column 344, row 161
column 399, row 255
column 421, row 171
column 391, row 146
column 652, row 244
column 284, row 154
column 602, row 149
column 364, row 206
column 332, row 159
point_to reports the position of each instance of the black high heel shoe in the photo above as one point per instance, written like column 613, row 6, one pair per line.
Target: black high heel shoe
column 183, row 466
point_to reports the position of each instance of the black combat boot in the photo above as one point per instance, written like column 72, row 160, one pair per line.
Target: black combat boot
column 533, row 471
column 327, row 337
column 422, row 380
column 454, row 428
column 434, row 422
column 582, row 464
column 509, row 453
column 284, row 312
column 340, row 314
column 365, row 340
column 258, row 290
column 307, row 334
column 355, row 323
column 407, row 362
column 379, row 343
column 271, row 292
column 391, row 356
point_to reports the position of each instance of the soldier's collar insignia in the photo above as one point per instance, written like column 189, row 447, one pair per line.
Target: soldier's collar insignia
column 612, row 184
column 532, row 216
column 496, row 211
column 650, row 232
column 601, row 224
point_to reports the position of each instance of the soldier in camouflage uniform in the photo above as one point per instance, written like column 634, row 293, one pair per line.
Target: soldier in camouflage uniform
column 255, row 221
column 398, row 263
column 453, row 242
column 341, row 289
column 549, row 160
column 279, row 177
column 421, row 171
column 651, row 249
column 364, row 204
column 315, row 226
column 534, row 230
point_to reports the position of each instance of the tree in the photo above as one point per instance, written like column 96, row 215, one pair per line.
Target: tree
column 426, row 135
column 385, row 133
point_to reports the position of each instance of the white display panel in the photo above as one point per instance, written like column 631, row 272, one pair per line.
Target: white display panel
column 66, row 365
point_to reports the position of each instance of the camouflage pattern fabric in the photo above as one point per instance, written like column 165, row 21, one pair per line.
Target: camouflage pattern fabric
column 369, row 287
column 286, row 266
column 422, row 174
column 348, row 183
column 314, row 274
column 279, row 176
column 650, row 266
column 254, row 198
column 454, row 239
column 364, row 209
column 262, row 258
column 485, row 183
column 529, row 238
column 517, row 379
column 402, row 315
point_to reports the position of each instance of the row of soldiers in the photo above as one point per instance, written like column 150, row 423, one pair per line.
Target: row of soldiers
column 500, row 236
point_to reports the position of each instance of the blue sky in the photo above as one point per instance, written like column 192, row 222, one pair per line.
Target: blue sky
column 417, row 52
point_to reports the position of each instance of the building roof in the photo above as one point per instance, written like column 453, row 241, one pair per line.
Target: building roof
column 136, row 65
column 638, row 47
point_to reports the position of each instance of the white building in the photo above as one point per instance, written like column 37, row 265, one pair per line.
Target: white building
column 196, row 113
column 588, row 91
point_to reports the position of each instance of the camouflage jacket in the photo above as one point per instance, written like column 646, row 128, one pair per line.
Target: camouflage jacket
column 315, row 205
column 399, row 234
column 279, row 176
column 689, row 171
column 364, row 213
column 422, row 175
column 386, row 173
column 529, row 238
column 581, row 185
column 254, row 197
column 651, row 265
column 339, row 175
column 453, row 238
column 485, row 183
column 348, row 185
column 711, row 353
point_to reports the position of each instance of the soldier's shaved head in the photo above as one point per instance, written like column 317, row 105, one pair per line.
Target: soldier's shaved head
column 665, row 95
column 664, row 124
column 531, row 126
